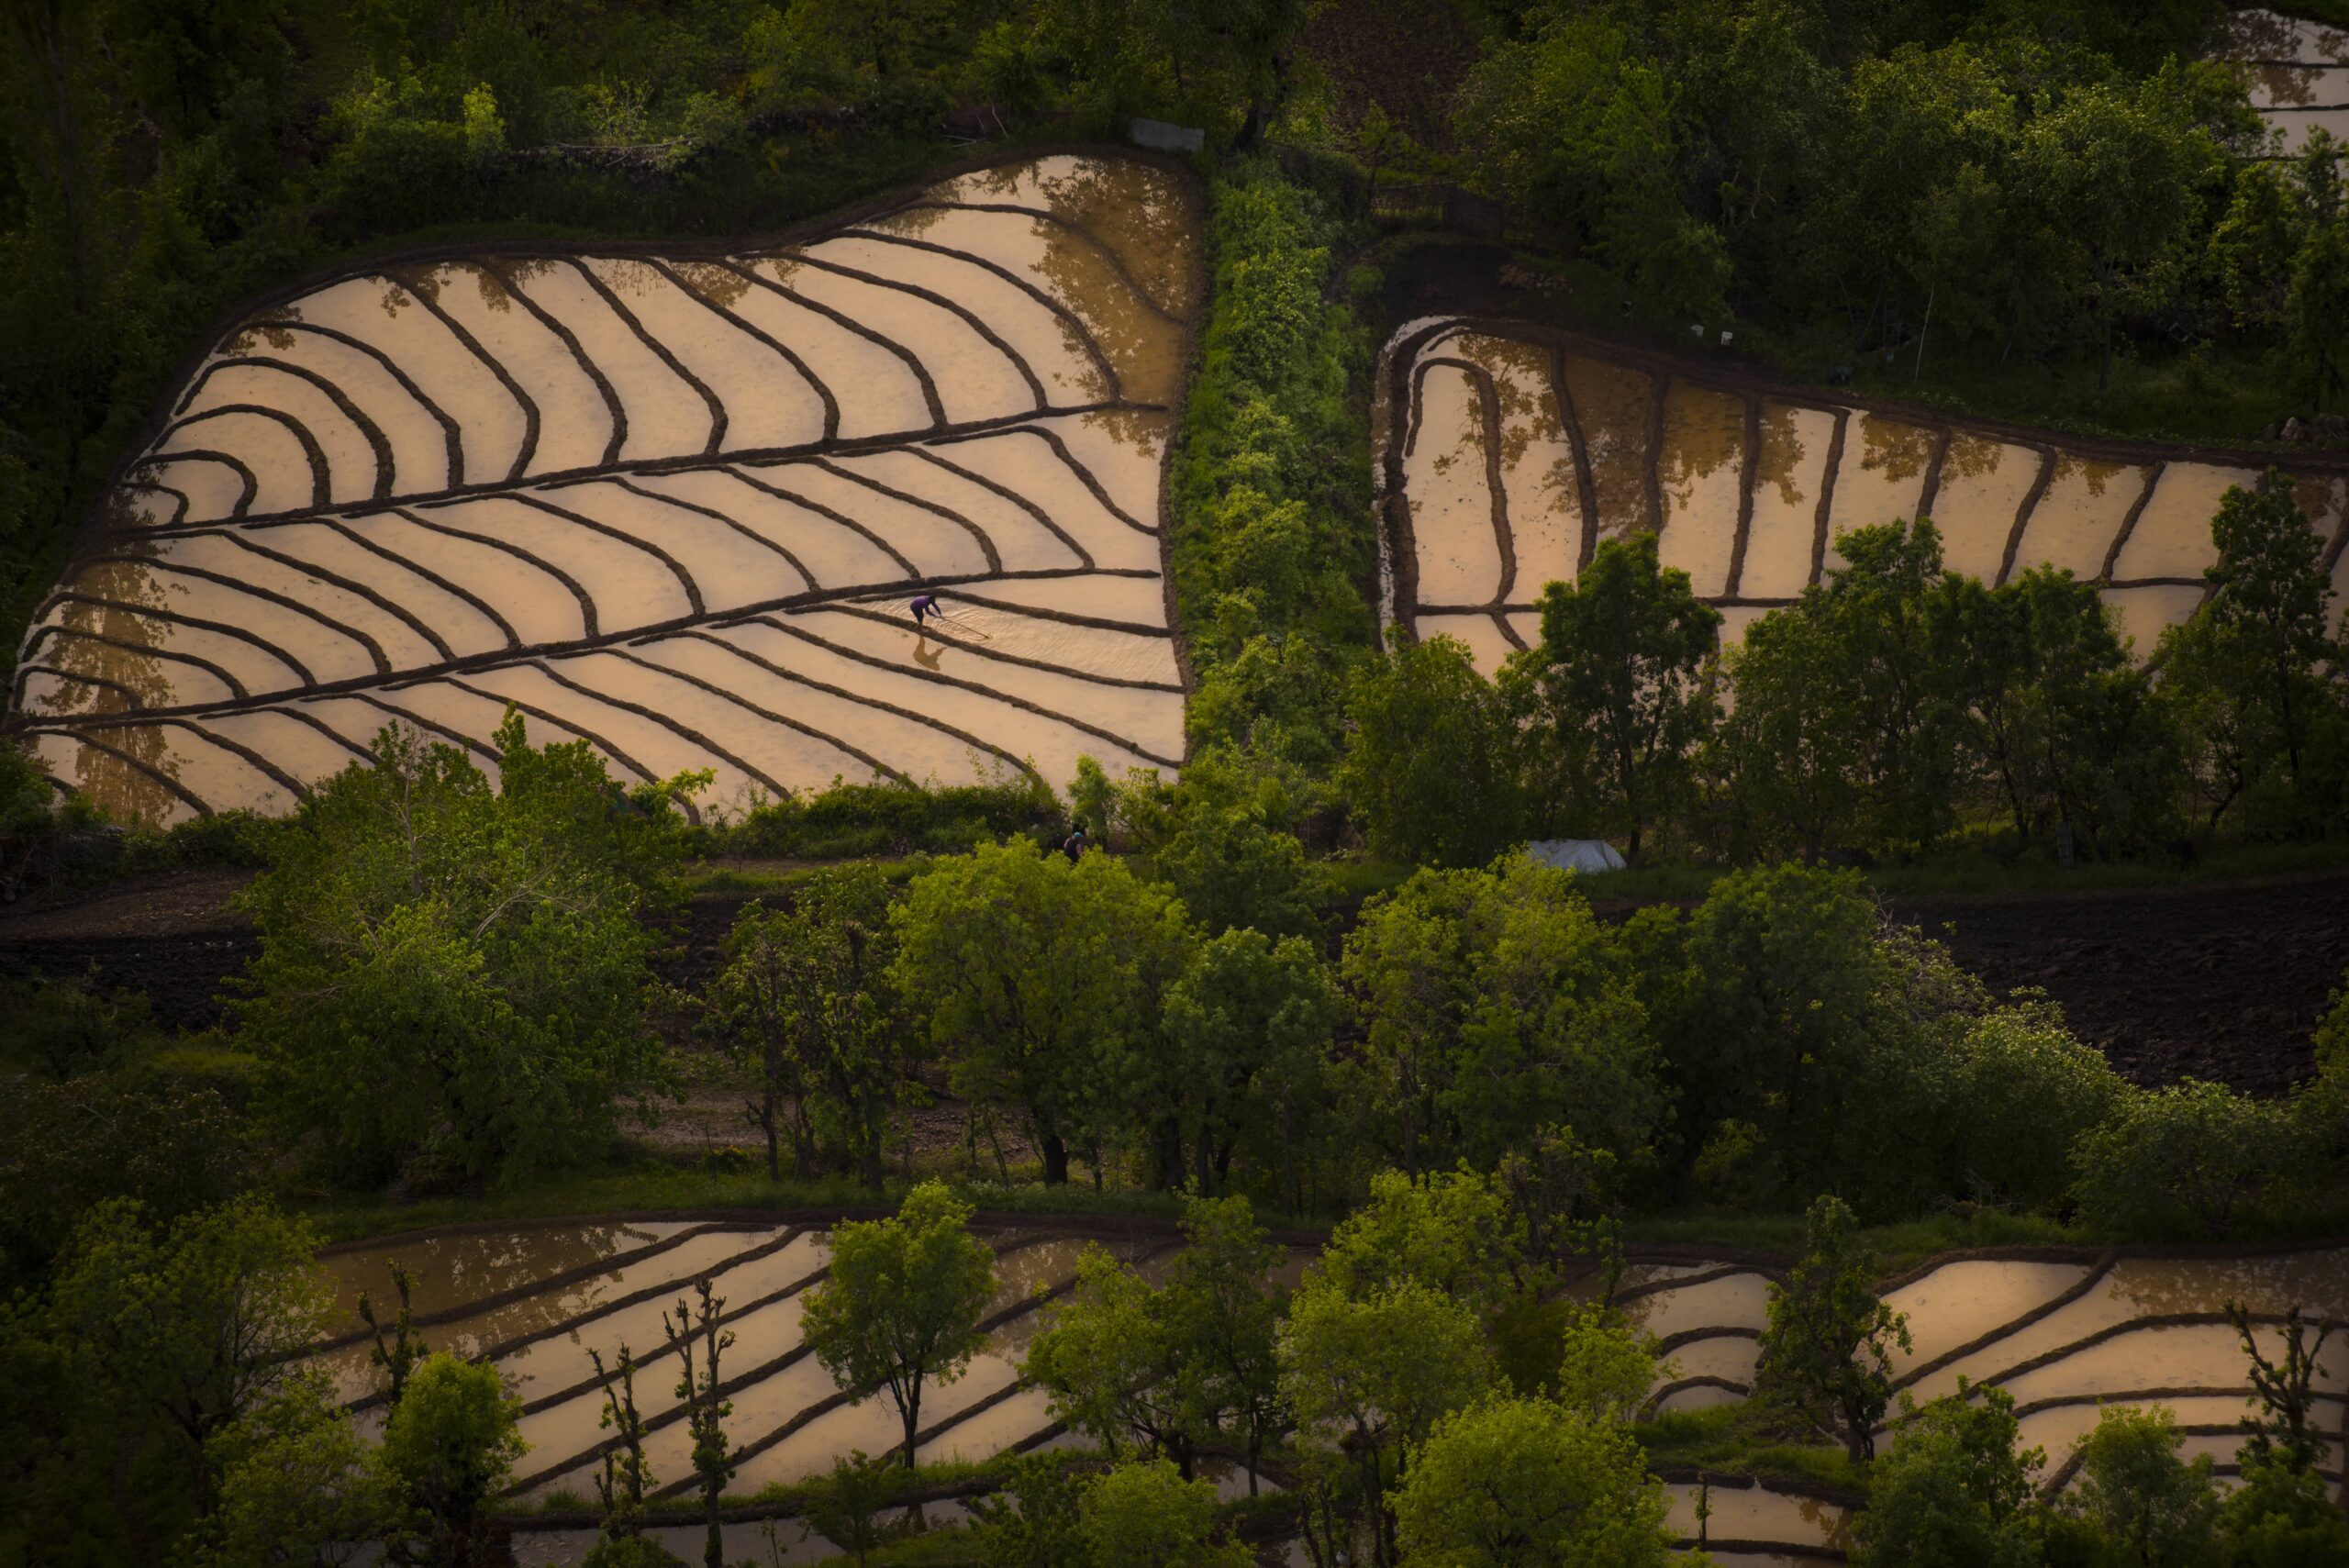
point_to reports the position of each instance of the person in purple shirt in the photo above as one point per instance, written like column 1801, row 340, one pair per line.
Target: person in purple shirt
column 925, row 604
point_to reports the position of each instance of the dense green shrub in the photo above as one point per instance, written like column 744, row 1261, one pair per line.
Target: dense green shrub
column 849, row 820
column 1273, row 546
column 2194, row 1160
column 2021, row 1091
column 452, row 979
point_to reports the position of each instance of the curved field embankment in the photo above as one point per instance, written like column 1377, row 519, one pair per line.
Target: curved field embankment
column 674, row 505
column 2065, row 1330
column 1508, row 451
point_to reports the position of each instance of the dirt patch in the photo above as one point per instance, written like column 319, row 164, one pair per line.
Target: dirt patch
column 2224, row 983
column 1411, row 59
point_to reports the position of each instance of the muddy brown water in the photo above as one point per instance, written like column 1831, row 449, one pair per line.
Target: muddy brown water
column 635, row 495
column 1747, row 525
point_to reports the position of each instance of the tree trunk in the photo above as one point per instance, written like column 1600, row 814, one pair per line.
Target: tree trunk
column 912, row 1413
column 1054, row 1149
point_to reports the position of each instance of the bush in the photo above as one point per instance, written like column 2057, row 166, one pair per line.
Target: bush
column 851, row 820
column 2195, row 1159
column 2021, row 1091
column 1273, row 546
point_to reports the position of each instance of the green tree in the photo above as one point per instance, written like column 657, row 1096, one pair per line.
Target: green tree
column 1117, row 1366
column 2280, row 1518
column 297, row 1486
column 1497, row 1005
column 620, row 1486
column 1370, row 1378
column 453, row 980
column 1524, row 1483
column 1625, row 652
column 1779, row 763
column 2255, row 667
column 2115, row 172
column 1428, row 763
column 395, row 1354
column 199, row 1322
column 1450, row 1232
column 1148, row 1513
column 1785, row 1009
column 1037, row 974
column 2315, row 309
column 2074, row 734
column 698, row 1385
column 1032, row 1523
column 2283, row 1432
column 1604, row 1371
column 2193, row 1158
column 1245, row 1029
column 1226, row 1314
column 808, row 991
column 846, row 1502
column 1826, row 1354
column 1955, row 1491
column 450, row 1448
column 1870, row 673
column 2021, row 1091
column 902, row 1306
column 170, row 1146
column 2143, row 1498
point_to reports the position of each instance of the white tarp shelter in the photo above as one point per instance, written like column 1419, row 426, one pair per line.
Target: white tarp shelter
column 1166, row 137
column 1576, row 854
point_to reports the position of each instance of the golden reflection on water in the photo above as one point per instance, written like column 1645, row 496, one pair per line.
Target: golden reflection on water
column 1782, row 453
column 1611, row 408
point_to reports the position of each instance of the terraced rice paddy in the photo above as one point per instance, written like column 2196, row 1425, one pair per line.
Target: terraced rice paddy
column 1507, row 452
column 2065, row 1335
column 2063, row 1332
column 2297, row 72
column 674, row 504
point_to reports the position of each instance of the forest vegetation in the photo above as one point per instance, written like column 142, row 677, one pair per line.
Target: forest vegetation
column 1472, row 1084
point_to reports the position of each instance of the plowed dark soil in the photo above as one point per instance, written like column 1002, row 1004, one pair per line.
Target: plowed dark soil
column 2223, row 982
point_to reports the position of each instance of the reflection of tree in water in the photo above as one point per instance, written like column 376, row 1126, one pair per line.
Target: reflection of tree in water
column 1139, row 342
column 1136, row 209
column 627, row 276
column 1144, row 433
column 2094, row 475
column 2287, row 85
column 2318, row 1281
column 722, row 286
column 453, row 1270
column 1611, row 406
column 1898, row 452
column 1971, row 457
column 137, row 680
column 1832, row 1522
column 256, row 334
column 1703, row 430
column 2263, row 35
column 2323, row 502
column 1782, row 452
column 1529, row 411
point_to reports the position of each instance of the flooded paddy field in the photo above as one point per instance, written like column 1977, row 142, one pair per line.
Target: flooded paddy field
column 674, row 505
column 1509, row 451
column 2297, row 72
column 2065, row 1332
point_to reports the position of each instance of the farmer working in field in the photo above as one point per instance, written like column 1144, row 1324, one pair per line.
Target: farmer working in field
column 925, row 604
